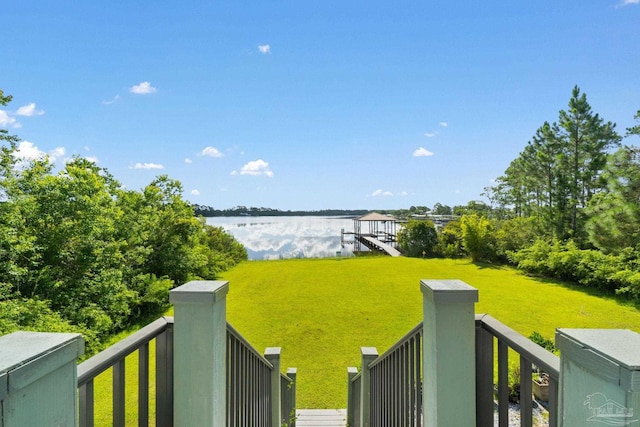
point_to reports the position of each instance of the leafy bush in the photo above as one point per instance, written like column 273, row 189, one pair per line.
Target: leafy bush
column 515, row 234
column 418, row 238
column 543, row 342
column 450, row 241
column 477, row 237
column 586, row 267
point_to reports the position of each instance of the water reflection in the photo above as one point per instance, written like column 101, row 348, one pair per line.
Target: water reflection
column 288, row 237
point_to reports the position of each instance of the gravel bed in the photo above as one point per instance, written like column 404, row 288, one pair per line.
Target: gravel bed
column 540, row 415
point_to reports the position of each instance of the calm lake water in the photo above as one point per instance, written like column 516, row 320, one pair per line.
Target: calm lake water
column 267, row 237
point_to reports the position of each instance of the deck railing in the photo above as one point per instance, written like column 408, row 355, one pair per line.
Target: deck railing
column 114, row 357
column 395, row 380
column 598, row 371
column 488, row 330
column 250, row 401
column 256, row 392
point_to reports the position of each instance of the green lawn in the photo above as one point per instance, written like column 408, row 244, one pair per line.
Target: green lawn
column 321, row 311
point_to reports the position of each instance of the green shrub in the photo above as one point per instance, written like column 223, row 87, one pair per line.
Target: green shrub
column 418, row 238
column 478, row 237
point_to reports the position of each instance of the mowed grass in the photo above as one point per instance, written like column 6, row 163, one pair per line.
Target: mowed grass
column 321, row 311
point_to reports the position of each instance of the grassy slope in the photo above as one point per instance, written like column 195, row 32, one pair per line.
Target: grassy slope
column 322, row 311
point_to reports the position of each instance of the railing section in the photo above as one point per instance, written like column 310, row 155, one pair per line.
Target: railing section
column 114, row 357
column 395, row 396
column 530, row 354
column 249, row 386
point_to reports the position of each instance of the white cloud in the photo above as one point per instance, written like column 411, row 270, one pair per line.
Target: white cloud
column 430, row 134
column 56, row 153
column 264, row 49
column 256, row 168
column 188, row 161
column 379, row 193
column 195, row 192
column 422, row 152
column 6, row 120
column 404, row 194
column 28, row 151
column 147, row 166
column 211, row 152
column 93, row 159
column 444, row 124
column 114, row 99
column 628, row 2
column 142, row 88
column 29, row 110
column 233, row 173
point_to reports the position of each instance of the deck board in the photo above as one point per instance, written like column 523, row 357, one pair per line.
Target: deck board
column 321, row 418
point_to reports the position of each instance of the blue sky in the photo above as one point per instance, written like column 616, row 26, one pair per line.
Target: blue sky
column 310, row 105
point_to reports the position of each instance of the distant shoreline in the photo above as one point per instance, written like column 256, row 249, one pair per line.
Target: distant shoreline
column 241, row 211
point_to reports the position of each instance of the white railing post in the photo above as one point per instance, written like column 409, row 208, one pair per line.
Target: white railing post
column 199, row 341
column 39, row 379
column 369, row 354
column 448, row 353
column 599, row 377
column 272, row 354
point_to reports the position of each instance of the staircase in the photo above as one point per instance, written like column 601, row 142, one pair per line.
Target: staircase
column 321, row 418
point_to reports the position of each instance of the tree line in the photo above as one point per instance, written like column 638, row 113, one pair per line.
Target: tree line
column 567, row 207
column 79, row 252
column 209, row 211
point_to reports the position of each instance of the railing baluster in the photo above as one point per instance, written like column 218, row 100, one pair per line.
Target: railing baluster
column 526, row 403
column 503, row 384
column 164, row 378
column 118, row 393
column 484, row 377
column 553, row 402
column 143, row 386
column 86, row 404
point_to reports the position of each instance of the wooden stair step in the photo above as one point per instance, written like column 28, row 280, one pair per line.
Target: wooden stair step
column 321, row 418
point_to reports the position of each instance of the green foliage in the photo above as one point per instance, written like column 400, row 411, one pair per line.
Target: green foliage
column 418, row 238
column 515, row 234
column 585, row 267
column 634, row 130
column 559, row 171
column 543, row 342
column 79, row 252
column 614, row 216
column 450, row 241
column 477, row 237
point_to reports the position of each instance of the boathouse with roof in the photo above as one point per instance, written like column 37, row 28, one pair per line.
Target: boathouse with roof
column 375, row 232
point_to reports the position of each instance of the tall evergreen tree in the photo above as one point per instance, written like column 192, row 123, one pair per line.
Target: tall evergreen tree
column 585, row 139
column 560, row 169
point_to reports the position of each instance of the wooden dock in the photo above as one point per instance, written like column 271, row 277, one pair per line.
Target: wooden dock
column 375, row 244
column 321, row 418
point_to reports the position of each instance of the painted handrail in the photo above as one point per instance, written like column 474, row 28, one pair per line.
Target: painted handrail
column 248, row 380
column 162, row 331
column 249, row 386
column 530, row 353
column 395, row 392
column 396, row 398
